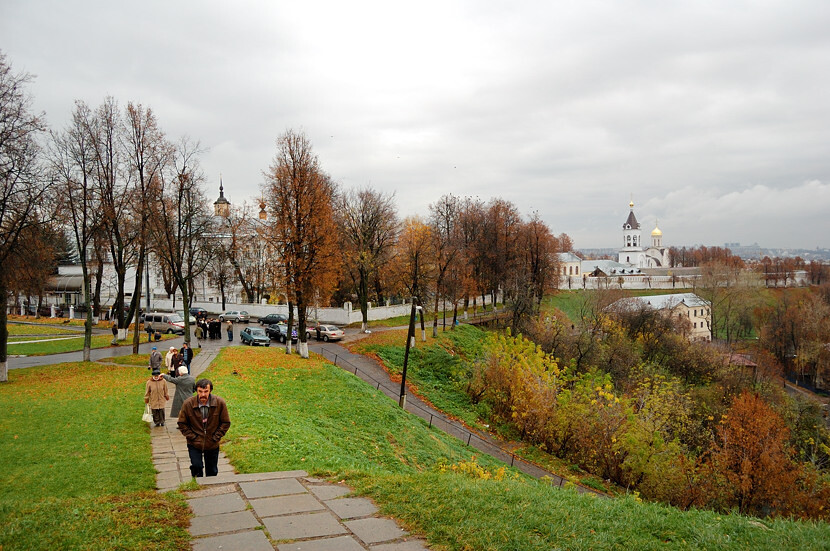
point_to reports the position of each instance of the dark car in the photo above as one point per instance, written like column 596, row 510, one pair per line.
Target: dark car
column 254, row 336
column 198, row 311
column 325, row 332
column 278, row 332
column 271, row 319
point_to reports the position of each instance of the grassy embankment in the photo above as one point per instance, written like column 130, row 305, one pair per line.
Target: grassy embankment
column 290, row 413
column 85, row 484
column 77, row 469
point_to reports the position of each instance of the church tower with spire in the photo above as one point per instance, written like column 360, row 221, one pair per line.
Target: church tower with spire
column 221, row 207
column 632, row 239
column 634, row 252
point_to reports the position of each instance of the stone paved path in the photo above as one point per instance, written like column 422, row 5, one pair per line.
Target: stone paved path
column 286, row 511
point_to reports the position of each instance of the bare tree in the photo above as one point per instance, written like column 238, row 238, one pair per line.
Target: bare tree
column 147, row 154
column 22, row 185
column 244, row 250
column 184, row 229
column 73, row 163
column 368, row 224
column 447, row 241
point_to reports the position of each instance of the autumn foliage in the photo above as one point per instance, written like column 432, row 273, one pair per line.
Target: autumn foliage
column 650, row 432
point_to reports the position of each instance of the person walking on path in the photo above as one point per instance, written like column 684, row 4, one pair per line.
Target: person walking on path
column 186, row 354
column 156, row 396
column 155, row 360
column 185, row 387
column 203, row 421
column 230, row 330
column 168, row 360
column 199, row 334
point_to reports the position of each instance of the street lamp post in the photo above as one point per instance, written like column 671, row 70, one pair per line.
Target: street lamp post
column 410, row 336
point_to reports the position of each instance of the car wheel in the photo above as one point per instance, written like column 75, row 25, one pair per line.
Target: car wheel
column 325, row 338
column 169, row 331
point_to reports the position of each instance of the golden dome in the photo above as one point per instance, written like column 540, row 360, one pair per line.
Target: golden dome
column 656, row 232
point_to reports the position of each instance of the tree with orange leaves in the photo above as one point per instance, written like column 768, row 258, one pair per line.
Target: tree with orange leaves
column 751, row 461
column 303, row 231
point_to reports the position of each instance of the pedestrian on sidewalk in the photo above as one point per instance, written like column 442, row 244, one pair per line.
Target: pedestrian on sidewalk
column 185, row 387
column 155, row 360
column 199, row 333
column 203, row 421
column 230, row 330
column 186, row 354
column 156, row 396
column 168, row 360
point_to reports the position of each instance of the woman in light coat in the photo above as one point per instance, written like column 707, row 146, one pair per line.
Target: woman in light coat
column 156, row 396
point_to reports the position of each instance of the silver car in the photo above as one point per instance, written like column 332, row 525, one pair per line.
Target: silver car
column 235, row 315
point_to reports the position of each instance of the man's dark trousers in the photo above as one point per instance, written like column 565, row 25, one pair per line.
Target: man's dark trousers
column 211, row 463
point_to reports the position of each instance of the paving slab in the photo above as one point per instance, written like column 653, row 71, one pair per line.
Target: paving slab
column 252, row 540
column 226, row 522
column 306, row 525
column 286, row 505
column 342, row 543
column 329, row 491
column 214, row 505
column 375, row 530
column 352, row 507
column 276, row 487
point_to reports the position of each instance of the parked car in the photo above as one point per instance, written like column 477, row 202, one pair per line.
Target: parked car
column 279, row 332
column 271, row 319
column 325, row 332
column 254, row 336
column 198, row 311
column 45, row 310
column 164, row 322
column 234, row 315
column 192, row 317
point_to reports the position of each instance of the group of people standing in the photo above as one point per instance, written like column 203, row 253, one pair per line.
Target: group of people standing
column 203, row 419
column 211, row 328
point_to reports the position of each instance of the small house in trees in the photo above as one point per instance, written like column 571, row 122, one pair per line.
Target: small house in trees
column 688, row 306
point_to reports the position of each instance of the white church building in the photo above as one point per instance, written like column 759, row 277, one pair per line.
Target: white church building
column 634, row 252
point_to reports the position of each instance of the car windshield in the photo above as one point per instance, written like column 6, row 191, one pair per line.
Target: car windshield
column 243, row 313
column 175, row 318
column 258, row 332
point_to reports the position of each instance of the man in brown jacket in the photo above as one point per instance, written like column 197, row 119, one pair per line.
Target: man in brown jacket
column 204, row 420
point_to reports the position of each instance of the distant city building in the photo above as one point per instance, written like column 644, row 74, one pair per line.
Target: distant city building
column 634, row 252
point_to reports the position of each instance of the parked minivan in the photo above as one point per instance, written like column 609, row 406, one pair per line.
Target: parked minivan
column 164, row 323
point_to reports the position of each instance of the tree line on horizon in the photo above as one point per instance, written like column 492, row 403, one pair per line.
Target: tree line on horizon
column 112, row 188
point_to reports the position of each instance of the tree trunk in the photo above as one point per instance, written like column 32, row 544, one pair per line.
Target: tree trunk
column 88, row 304
column 363, row 297
column 4, row 331
column 96, row 296
column 137, row 300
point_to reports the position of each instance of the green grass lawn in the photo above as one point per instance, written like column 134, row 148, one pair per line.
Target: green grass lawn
column 16, row 329
column 67, row 345
column 289, row 413
column 77, row 469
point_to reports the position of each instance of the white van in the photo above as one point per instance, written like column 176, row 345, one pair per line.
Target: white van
column 164, row 323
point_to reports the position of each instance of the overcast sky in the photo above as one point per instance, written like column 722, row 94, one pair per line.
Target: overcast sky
column 713, row 115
